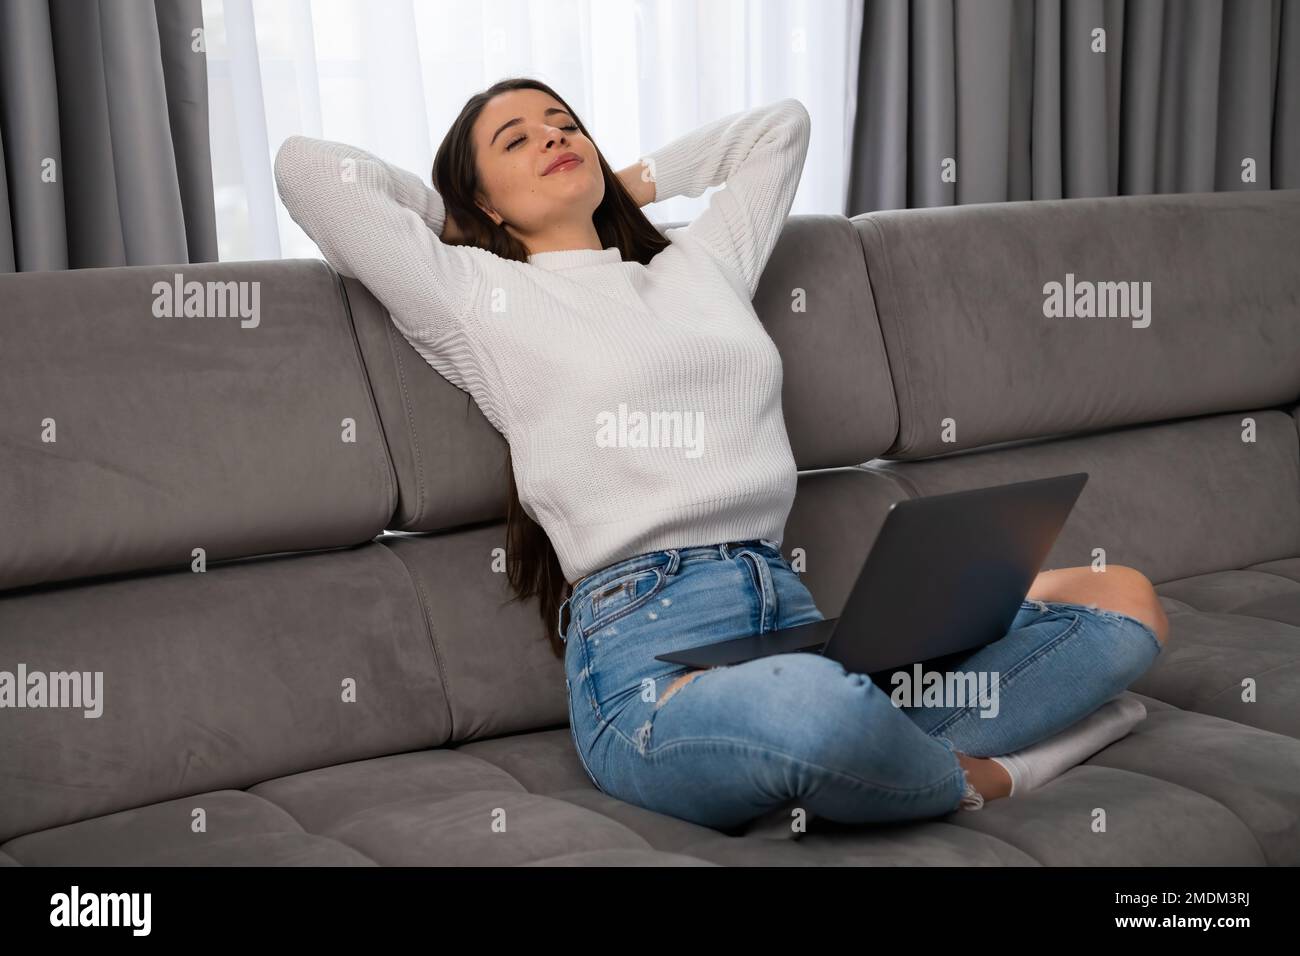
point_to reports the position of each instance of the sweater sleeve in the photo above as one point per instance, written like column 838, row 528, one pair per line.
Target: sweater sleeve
column 379, row 224
column 759, row 155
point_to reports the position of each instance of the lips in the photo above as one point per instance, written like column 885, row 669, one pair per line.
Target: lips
column 563, row 161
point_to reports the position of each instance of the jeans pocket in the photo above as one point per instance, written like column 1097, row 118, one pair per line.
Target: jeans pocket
column 621, row 596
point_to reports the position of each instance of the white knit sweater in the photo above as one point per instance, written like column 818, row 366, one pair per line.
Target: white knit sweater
column 642, row 404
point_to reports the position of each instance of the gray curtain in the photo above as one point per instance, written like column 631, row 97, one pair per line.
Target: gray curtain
column 104, row 155
column 1013, row 92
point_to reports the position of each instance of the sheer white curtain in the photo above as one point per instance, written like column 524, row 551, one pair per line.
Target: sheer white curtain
column 389, row 76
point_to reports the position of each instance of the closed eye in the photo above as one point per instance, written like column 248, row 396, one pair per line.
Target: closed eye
column 513, row 143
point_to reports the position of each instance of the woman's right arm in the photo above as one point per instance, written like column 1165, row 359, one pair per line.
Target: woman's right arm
column 380, row 224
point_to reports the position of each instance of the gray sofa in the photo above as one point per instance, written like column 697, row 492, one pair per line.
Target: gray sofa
column 346, row 682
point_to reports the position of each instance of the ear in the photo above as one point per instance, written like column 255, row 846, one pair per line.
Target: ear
column 489, row 212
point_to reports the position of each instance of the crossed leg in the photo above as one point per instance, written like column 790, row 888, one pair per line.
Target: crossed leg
column 1119, row 588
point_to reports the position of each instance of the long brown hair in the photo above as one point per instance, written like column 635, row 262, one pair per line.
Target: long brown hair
column 532, row 566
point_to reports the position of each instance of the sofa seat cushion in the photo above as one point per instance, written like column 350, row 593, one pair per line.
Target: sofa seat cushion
column 1227, row 628
column 241, row 830
column 1182, row 789
column 431, row 807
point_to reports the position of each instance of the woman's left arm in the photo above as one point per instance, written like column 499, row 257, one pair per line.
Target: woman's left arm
column 758, row 157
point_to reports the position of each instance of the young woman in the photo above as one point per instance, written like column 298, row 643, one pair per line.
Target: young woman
column 651, row 476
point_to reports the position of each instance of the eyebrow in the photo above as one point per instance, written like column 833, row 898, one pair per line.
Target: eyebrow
column 519, row 119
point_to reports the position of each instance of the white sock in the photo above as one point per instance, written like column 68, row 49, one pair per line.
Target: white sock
column 1039, row 763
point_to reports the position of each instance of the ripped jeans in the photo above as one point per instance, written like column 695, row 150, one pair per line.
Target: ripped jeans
column 740, row 740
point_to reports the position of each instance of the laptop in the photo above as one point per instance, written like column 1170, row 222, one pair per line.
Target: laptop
column 946, row 574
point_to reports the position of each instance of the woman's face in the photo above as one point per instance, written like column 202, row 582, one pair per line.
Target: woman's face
column 518, row 136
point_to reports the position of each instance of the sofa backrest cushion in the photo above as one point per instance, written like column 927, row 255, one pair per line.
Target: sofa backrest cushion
column 962, row 291
column 135, row 431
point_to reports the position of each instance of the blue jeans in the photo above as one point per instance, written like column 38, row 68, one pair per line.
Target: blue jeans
column 738, row 741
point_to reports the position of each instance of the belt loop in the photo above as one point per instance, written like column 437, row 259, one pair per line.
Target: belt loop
column 673, row 561
column 559, row 619
column 722, row 549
